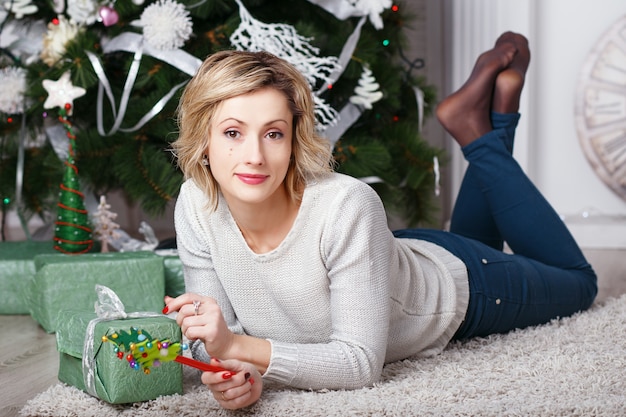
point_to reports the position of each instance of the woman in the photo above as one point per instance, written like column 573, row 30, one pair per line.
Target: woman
column 291, row 271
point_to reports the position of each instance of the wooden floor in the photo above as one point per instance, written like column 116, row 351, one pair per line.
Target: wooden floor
column 29, row 361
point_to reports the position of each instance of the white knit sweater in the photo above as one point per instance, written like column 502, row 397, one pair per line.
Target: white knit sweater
column 338, row 298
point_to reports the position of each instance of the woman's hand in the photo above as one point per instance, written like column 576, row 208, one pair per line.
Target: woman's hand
column 201, row 318
column 237, row 389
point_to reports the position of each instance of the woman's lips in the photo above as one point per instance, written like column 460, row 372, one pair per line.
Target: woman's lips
column 252, row 179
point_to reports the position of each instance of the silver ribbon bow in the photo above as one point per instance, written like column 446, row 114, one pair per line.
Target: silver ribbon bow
column 133, row 42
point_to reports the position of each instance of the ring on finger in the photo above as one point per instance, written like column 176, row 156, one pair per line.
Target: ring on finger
column 196, row 306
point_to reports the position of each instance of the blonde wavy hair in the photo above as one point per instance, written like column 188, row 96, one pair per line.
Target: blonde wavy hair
column 228, row 74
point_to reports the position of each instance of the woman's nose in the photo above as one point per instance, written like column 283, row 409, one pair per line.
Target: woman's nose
column 254, row 151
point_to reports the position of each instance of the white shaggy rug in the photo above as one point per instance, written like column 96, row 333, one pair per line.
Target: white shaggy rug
column 570, row 367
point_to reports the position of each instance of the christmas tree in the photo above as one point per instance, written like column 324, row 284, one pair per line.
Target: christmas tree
column 133, row 58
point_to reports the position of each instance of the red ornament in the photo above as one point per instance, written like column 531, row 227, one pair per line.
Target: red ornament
column 108, row 15
column 55, row 21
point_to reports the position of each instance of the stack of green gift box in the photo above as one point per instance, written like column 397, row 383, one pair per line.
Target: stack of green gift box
column 67, row 282
column 21, row 261
column 58, row 291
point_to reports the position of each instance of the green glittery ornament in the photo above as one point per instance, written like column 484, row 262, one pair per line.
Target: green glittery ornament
column 143, row 352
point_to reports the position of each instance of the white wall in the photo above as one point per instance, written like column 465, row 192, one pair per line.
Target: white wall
column 561, row 34
column 561, row 170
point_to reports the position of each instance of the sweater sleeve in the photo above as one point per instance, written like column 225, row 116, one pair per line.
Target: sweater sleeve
column 356, row 248
column 193, row 251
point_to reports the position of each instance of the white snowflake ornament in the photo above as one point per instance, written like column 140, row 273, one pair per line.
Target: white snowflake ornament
column 367, row 92
column 284, row 41
column 61, row 92
column 166, row 25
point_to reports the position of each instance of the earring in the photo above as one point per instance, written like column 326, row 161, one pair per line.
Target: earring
column 205, row 161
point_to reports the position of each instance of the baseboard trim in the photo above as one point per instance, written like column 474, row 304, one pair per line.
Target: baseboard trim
column 599, row 233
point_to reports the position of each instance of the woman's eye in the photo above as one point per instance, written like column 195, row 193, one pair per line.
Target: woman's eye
column 274, row 135
column 231, row 134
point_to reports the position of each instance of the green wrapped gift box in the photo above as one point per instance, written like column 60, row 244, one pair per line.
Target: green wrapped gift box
column 112, row 379
column 17, row 267
column 174, row 278
column 69, row 280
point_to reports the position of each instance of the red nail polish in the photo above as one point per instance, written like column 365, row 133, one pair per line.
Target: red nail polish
column 251, row 381
column 216, row 360
column 227, row 375
column 166, row 309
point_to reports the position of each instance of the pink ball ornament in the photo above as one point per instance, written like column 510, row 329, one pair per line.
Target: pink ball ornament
column 108, row 15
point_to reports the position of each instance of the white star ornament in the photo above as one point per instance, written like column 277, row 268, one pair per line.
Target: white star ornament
column 61, row 92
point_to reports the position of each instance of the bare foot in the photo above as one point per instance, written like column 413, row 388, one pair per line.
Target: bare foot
column 465, row 113
column 509, row 82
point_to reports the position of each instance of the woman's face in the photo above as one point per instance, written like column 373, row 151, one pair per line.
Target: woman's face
column 250, row 146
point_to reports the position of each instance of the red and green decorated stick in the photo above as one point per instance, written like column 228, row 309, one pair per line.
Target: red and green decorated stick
column 143, row 352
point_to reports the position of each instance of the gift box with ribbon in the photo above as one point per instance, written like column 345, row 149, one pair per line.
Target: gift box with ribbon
column 138, row 278
column 87, row 362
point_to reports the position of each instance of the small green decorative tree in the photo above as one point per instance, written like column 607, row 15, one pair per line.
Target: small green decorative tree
column 72, row 234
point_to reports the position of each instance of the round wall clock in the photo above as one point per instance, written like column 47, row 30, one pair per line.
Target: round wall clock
column 601, row 108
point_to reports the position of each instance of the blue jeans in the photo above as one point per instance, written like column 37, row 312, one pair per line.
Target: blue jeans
column 546, row 277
